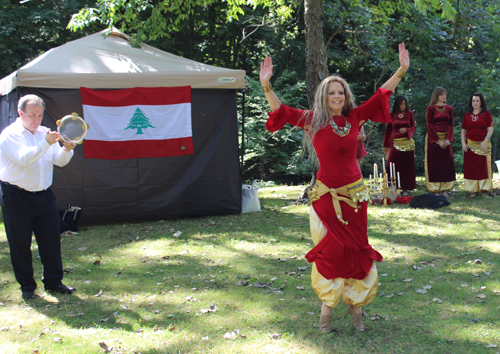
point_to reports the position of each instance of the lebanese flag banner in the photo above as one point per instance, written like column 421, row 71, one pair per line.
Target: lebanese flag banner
column 137, row 122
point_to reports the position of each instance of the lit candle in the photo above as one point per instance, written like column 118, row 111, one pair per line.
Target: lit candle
column 399, row 183
column 370, row 184
column 375, row 170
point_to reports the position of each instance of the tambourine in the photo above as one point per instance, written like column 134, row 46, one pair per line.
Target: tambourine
column 72, row 128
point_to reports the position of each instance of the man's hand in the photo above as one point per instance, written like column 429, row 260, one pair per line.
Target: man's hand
column 69, row 145
column 52, row 137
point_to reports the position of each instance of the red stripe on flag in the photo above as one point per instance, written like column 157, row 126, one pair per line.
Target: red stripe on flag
column 136, row 96
column 119, row 150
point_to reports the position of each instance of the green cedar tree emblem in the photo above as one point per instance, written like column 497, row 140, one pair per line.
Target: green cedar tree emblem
column 139, row 121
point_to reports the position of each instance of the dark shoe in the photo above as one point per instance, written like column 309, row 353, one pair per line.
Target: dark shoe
column 62, row 289
column 28, row 295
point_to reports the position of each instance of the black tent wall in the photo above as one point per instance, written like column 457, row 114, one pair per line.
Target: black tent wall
column 204, row 183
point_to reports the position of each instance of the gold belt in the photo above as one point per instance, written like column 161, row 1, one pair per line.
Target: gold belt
column 404, row 144
column 356, row 191
column 441, row 135
column 474, row 146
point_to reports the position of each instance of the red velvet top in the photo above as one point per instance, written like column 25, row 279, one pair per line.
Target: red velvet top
column 337, row 155
column 477, row 125
column 344, row 252
column 439, row 122
column 392, row 129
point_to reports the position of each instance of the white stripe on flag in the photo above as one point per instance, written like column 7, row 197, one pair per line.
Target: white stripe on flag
column 110, row 123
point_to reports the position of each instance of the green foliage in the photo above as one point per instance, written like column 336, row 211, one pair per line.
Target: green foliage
column 29, row 28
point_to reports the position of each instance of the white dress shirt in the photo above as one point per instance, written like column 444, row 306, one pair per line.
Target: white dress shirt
column 27, row 160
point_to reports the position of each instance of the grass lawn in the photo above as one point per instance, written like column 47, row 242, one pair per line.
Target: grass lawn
column 241, row 284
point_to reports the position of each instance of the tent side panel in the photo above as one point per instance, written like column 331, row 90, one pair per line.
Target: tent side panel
column 8, row 109
column 205, row 183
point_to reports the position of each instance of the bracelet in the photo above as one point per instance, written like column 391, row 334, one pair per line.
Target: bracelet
column 267, row 89
column 400, row 74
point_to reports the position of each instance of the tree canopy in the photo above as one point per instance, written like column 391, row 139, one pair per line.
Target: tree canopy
column 453, row 43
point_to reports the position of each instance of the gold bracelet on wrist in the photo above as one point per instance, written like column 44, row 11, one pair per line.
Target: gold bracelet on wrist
column 267, row 89
column 400, row 74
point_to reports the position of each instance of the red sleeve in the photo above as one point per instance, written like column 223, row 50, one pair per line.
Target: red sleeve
column 283, row 115
column 375, row 109
column 451, row 126
column 388, row 136
column 433, row 137
column 464, row 122
column 411, row 129
column 488, row 119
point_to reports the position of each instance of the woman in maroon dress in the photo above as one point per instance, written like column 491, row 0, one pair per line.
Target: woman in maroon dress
column 477, row 129
column 343, row 259
column 439, row 162
column 399, row 144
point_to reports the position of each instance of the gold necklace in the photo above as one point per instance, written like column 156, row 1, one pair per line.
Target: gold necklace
column 440, row 109
column 401, row 115
column 341, row 131
column 475, row 117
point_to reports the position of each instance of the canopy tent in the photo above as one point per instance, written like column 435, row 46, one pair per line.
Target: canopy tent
column 203, row 183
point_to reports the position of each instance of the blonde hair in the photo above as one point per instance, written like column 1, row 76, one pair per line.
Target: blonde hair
column 438, row 91
column 322, row 114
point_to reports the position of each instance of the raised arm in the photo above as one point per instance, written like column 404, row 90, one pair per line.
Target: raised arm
column 266, row 71
column 404, row 64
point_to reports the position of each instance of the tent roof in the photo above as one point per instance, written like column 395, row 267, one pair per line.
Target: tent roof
column 98, row 62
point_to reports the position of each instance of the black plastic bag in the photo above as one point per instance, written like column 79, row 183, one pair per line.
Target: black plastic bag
column 70, row 217
column 429, row 201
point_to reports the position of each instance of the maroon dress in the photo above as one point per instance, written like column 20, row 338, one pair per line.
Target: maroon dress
column 476, row 167
column 344, row 252
column 404, row 160
column 439, row 163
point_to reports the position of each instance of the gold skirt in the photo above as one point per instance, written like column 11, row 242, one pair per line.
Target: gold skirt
column 353, row 291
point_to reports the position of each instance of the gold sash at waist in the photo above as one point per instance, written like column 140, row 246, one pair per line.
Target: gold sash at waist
column 404, row 144
column 442, row 135
column 356, row 191
column 474, row 146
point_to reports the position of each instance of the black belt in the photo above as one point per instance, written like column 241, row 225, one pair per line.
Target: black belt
column 17, row 187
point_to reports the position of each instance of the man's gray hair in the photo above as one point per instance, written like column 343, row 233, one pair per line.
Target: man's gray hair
column 30, row 99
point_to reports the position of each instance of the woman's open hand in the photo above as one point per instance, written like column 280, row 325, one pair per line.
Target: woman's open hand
column 404, row 57
column 266, row 71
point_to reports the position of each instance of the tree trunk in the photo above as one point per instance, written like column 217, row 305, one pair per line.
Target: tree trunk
column 314, row 47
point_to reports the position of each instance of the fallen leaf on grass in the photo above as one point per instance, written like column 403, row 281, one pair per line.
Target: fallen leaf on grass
column 421, row 291
column 98, row 294
column 427, row 287
column 436, row 300
column 476, row 275
column 302, row 269
column 275, row 336
column 491, row 346
column 204, row 338
column 408, row 280
column 375, row 318
column 81, row 249
column 57, row 339
column 104, row 319
column 5, row 329
column 242, row 282
column 104, row 346
column 260, row 285
column 230, row 335
column 487, row 273
column 389, row 296
column 310, row 313
column 481, row 296
column 177, row 234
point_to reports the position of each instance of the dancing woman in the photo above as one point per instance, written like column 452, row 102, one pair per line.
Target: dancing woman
column 477, row 129
column 399, row 144
column 439, row 161
column 343, row 259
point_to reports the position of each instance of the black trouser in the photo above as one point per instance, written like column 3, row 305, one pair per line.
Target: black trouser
column 25, row 213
